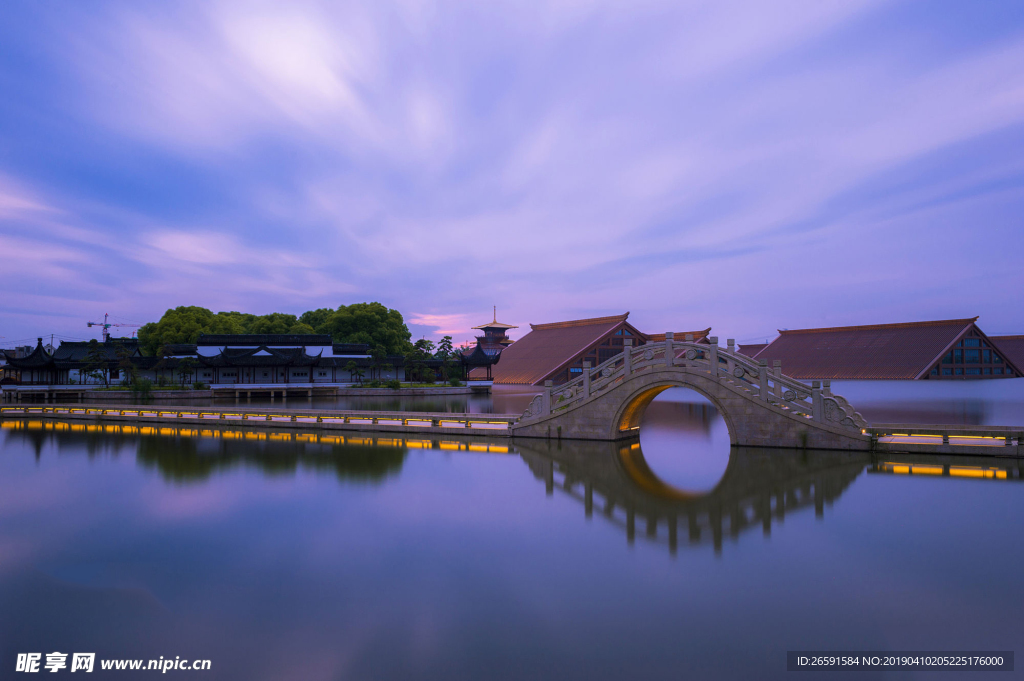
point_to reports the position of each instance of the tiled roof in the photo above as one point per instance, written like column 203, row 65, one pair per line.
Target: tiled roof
column 751, row 349
column 549, row 347
column 79, row 351
column 37, row 359
column 258, row 339
column 351, row 349
column 248, row 357
column 879, row 351
column 179, row 348
column 1012, row 348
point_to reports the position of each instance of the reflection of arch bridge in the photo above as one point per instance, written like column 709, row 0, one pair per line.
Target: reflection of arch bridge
column 761, row 407
column 757, row 488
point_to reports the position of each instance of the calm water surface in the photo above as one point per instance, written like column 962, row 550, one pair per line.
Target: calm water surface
column 671, row 557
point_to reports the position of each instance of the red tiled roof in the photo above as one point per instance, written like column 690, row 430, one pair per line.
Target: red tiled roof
column 549, row 347
column 879, row 351
column 1012, row 348
column 751, row 349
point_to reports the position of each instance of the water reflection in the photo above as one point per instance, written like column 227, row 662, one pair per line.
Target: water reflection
column 759, row 487
column 188, row 454
column 685, row 440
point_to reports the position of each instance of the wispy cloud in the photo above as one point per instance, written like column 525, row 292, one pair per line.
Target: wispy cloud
column 748, row 162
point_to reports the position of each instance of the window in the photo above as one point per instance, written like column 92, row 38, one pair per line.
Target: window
column 575, row 370
column 972, row 342
column 972, row 356
column 988, row 371
column 958, row 356
column 996, row 358
column 266, row 374
column 947, row 372
column 115, row 374
column 974, row 371
column 321, row 373
column 987, row 356
column 935, row 371
column 998, row 371
column 958, row 371
column 948, row 359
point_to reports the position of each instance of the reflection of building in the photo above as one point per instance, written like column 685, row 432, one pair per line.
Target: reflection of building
column 952, row 349
column 556, row 352
column 759, row 487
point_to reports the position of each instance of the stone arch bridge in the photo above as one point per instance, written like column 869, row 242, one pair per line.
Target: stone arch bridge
column 761, row 406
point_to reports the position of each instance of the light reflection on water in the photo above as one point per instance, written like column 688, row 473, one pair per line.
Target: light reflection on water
column 394, row 557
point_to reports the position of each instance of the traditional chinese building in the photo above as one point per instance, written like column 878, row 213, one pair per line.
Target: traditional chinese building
column 480, row 358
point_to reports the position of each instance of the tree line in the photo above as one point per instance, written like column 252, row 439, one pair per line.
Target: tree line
column 381, row 328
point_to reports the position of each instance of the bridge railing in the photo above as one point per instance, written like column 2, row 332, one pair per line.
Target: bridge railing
column 815, row 401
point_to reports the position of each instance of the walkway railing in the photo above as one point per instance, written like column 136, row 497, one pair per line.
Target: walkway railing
column 815, row 401
column 492, row 423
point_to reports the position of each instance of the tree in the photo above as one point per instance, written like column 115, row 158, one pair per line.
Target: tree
column 355, row 372
column 186, row 366
column 445, row 354
column 185, row 325
column 128, row 370
column 369, row 323
column 316, row 319
column 96, row 362
column 275, row 322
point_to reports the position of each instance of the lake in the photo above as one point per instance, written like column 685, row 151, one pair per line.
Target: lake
column 280, row 556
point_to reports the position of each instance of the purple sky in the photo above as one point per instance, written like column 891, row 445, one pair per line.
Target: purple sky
column 741, row 165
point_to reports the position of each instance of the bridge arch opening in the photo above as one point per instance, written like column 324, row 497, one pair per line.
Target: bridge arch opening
column 684, row 440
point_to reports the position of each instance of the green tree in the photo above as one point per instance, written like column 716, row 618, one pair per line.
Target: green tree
column 317, row 319
column 96, row 362
column 186, row 367
column 446, row 354
column 355, row 372
column 186, row 323
column 275, row 322
column 128, row 370
column 369, row 323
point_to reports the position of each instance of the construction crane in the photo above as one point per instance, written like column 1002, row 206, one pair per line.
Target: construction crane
column 106, row 326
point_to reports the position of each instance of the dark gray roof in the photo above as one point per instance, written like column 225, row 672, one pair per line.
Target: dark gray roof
column 351, row 349
column 38, row 358
column 248, row 357
column 179, row 348
column 79, row 351
column 258, row 339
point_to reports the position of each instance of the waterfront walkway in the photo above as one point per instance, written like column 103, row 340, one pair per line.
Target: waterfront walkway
column 311, row 420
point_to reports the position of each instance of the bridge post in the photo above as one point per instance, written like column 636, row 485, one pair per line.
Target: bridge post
column 777, row 373
column 627, row 356
column 818, row 407
column 713, row 357
column 586, row 380
column 546, row 401
column 668, row 349
column 762, row 379
column 826, row 388
column 729, row 364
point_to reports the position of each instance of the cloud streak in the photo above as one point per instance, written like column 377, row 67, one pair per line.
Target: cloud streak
column 749, row 163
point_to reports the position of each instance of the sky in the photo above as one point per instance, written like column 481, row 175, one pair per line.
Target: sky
column 748, row 166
